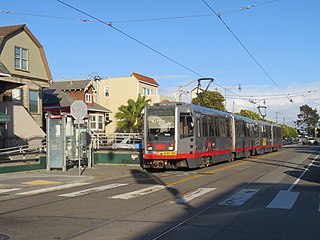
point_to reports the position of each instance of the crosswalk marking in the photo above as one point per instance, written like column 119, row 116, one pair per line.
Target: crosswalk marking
column 93, row 190
column 6, row 190
column 284, row 200
column 192, row 195
column 239, row 198
column 50, row 189
column 140, row 192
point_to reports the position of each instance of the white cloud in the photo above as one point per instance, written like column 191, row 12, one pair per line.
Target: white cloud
column 278, row 106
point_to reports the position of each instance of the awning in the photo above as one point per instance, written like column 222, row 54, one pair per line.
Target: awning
column 4, row 118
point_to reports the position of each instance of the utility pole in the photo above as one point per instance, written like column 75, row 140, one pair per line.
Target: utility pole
column 276, row 116
column 180, row 92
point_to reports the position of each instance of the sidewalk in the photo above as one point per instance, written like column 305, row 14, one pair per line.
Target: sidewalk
column 89, row 175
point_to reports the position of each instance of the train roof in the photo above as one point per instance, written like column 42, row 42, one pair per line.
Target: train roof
column 243, row 118
column 195, row 108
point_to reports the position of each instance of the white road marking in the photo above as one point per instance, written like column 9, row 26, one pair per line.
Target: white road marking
column 93, row 190
column 50, row 189
column 284, row 200
column 140, row 192
column 239, row 198
column 302, row 174
column 5, row 190
column 192, row 195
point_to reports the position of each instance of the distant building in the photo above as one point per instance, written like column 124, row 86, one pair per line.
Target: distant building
column 59, row 97
column 116, row 91
column 24, row 72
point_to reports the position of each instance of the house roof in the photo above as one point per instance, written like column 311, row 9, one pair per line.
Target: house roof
column 3, row 70
column 7, row 32
column 57, row 96
column 72, row 85
column 145, row 79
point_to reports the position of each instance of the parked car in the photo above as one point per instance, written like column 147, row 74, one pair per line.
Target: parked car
column 310, row 141
column 128, row 143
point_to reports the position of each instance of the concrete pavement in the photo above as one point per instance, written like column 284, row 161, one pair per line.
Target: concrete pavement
column 58, row 177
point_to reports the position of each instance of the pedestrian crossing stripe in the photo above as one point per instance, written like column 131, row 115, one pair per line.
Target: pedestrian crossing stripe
column 192, row 195
column 140, row 192
column 41, row 182
column 239, row 198
column 6, row 190
column 51, row 189
column 93, row 190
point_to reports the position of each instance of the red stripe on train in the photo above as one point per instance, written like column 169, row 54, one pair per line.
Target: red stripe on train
column 186, row 155
column 203, row 154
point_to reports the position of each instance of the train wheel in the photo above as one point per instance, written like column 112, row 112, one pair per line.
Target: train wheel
column 206, row 162
column 233, row 157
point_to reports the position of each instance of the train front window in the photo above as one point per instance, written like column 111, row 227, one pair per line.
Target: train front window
column 160, row 124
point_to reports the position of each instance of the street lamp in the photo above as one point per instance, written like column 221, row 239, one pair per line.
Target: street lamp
column 225, row 93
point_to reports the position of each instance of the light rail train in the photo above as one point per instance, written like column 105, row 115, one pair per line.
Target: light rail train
column 183, row 135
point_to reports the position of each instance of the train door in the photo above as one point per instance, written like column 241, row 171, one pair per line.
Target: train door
column 199, row 142
column 186, row 140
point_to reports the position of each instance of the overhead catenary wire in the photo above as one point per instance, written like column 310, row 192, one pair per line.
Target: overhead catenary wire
column 248, row 7
column 45, row 16
column 247, row 50
column 132, row 38
column 109, row 24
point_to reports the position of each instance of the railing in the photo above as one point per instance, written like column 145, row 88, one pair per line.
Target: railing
column 21, row 151
column 105, row 140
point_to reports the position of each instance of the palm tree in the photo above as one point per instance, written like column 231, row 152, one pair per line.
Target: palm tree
column 130, row 116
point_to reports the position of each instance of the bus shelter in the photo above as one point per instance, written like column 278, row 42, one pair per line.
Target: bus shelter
column 68, row 142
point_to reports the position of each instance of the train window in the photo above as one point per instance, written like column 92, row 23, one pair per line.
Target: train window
column 161, row 124
column 228, row 128
column 222, row 124
column 211, row 126
column 216, row 127
column 186, row 125
column 240, row 129
column 204, row 125
column 198, row 127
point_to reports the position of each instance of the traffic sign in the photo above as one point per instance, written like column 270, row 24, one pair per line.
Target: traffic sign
column 78, row 110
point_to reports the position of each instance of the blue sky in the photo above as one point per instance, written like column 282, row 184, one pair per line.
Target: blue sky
column 282, row 35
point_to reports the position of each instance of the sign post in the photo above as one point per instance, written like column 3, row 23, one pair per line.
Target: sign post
column 78, row 111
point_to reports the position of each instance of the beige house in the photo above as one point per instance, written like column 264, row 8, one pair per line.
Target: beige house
column 24, row 72
column 114, row 92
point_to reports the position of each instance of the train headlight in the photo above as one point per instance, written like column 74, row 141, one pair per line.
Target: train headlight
column 171, row 147
column 149, row 147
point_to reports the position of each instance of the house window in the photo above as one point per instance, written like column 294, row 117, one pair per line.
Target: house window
column 97, row 121
column 21, row 58
column 88, row 98
column 17, row 95
column 93, row 119
column 106, row 91
column 147, row 91
column 33, row 101
column 100, row 122
column 107, row 117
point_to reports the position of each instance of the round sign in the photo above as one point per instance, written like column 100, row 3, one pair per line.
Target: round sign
column 78, row 110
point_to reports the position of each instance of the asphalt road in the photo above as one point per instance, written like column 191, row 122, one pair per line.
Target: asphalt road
column 271, row 196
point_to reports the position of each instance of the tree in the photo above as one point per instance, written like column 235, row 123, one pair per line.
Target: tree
column 289, row 132
column 210, row 99
column 250, row 114
column 130, row 116
column 308, row 120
